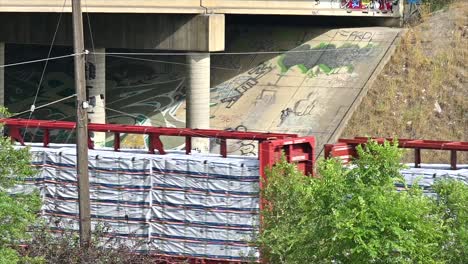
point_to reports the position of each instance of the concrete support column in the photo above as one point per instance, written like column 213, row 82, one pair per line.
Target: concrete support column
column 96, row 84
column 198, row 97
column 401, row 10
column 2, row 74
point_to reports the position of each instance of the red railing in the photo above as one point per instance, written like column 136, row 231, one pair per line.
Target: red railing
column 271, row 145
column 346, row 148
column 15, row 125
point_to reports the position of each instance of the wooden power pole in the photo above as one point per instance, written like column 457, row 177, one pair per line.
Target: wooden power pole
column 81, row 126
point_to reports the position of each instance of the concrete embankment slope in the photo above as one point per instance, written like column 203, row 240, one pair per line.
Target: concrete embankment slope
column 308, row 90
column 295, row 79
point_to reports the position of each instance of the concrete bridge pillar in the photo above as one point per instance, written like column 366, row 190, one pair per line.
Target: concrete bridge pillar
column 96, row 85
column 2, row 74
column 198, row 97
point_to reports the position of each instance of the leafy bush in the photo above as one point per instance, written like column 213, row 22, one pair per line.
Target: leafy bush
column 453, row 202
column 16, row 212
column 355, row 215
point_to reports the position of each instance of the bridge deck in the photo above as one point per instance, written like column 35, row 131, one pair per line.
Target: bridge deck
column 259, row 7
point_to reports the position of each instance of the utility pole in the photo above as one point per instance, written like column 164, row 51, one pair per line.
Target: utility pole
column 81, row 126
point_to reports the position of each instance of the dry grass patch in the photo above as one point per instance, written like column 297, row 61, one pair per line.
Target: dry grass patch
column 422, row 93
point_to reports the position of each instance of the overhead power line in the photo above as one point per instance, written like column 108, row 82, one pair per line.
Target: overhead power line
column 40, row 60
column 33, row 106
column 44, row 105
column 122, row 54
column 227, row 53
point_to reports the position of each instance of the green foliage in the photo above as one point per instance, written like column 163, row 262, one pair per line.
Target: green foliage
column 8, row 255
column 453, row 202
column 355, row 215
column 15, row 162
column 16, row 212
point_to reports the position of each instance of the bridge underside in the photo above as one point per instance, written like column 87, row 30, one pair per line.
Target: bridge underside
column 387, row 8
column 135, row 31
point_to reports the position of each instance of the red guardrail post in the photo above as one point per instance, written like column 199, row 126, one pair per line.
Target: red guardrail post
column 188, row 145
column 417, row 158
column 46, row 138
column 116, row 141
column 15, row 134
column 223, row 147
column 453, row 159
column 327, row 150
column 155, row 143
column 90, row 143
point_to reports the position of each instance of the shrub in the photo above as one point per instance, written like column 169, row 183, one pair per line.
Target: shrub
column 453, row 203
column 19, row 211
column 355, row 215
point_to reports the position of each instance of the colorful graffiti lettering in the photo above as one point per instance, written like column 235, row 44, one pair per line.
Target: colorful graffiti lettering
column 326, row 57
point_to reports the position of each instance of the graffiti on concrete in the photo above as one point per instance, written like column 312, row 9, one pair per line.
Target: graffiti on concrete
column 326, row 58
column 383, row 6
column 266, row 97
column 356, row 35
column 301, row 108
column 232, row 91
column 137, row 93
column 145, row 93
column 242, row 147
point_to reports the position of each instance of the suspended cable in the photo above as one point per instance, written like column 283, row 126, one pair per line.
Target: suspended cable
column 33, row 106
column 231, row 53
column 167, row 62
column 41, row 60
column 45, row 105
column 116, row 54
column 90, row 30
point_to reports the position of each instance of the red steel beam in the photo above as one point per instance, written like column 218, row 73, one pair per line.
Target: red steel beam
column 346, row 148
column 412, row 143
column 162, row 131
column 154, row 133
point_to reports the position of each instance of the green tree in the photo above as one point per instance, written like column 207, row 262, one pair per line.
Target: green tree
column 356, row 215
column 453, row 204
column 17, row 212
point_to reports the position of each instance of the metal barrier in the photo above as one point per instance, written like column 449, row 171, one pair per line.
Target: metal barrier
column 14, row 126
column 271, row 145
column 345, row 149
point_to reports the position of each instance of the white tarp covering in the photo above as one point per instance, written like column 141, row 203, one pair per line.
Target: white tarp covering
column 428, row 174
column 183, row 205
column 190, row 205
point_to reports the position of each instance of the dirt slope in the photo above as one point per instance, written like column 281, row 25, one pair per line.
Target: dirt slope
column 423, row 92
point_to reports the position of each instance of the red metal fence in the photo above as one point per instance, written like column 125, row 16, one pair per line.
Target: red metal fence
column 271, row 145
column 345, row 149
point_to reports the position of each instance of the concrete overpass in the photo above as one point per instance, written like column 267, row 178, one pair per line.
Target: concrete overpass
column 202, row 27
column 253, row 7
column 185, row 25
